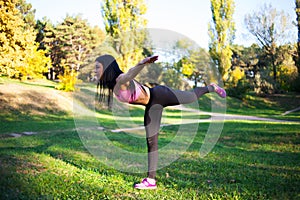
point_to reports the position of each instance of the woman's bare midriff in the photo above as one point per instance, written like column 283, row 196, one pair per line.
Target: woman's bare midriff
column 143, row 99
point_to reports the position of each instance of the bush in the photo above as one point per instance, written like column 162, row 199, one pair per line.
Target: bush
column 296, row 84
column 68, row 80
column 240, row 89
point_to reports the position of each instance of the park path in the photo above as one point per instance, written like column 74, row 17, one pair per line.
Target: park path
column 228, row 117
column 214, row 118
column 290, row 111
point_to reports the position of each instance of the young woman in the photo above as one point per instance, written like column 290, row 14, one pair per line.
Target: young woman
column 127, row 90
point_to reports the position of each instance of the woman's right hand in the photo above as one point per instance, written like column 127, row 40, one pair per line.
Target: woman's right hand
column 148, row 60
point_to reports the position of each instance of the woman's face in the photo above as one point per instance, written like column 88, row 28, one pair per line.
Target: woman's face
column 98, row 70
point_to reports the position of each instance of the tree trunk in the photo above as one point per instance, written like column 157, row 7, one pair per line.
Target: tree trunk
column 298, row 42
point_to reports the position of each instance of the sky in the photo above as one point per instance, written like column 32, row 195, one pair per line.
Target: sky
column 187, row 17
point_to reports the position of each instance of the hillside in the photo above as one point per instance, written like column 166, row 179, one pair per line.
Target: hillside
column 33, row 103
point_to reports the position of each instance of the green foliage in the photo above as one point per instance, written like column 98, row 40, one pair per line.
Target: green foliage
column 153, row 74
column 287, row 70
column 253, row 65
column 36, row 64
column 19, row 56
column 27, row 12
column 124, row 23
column 297, row 57
column 271, row 29
column 240, row 89
column 172, row 78
column 73, row 43
column 245, row 61
column 46, row 36
column 75, row 39
column 68, row 80
column 70, row 43
column 221, row 32
column 196, row 63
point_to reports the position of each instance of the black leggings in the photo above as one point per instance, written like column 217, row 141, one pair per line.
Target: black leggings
column 160, row 97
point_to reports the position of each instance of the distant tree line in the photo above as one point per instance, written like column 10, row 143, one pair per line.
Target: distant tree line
column 66, row 51
column 266, row 67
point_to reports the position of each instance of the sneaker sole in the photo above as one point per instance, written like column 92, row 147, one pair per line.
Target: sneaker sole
column 146, row 188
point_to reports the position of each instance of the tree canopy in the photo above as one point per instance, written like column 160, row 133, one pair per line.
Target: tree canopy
column 222, row 32
column 271, row 29
column 125, row 24
column 19, row 56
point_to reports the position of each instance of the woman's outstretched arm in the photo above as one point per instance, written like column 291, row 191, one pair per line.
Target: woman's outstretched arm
column 133, row 72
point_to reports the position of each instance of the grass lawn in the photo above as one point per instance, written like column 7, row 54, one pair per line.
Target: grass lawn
column 272, row 106
column 252, row 160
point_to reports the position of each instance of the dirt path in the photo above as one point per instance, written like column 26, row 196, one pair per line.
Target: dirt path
column 228, row 117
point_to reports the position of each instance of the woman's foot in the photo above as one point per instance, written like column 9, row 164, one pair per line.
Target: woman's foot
column 146, row 184
column 220, row 91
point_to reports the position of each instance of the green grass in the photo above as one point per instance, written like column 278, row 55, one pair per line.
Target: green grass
column 252, row 160
column 271, row 106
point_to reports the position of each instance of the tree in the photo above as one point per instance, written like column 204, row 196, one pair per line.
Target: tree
column 74, row 41
column 196, row 64
column 270, row 28
column 297, row 58
column 27, row 12
column 245, row 67
column 287, row 70
column 221, row 32
column 88, row 68
column 47, row 39
column 18, row 49
column 124, row 23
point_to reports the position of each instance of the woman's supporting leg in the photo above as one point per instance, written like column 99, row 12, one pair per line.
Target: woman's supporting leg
column 152, row 143
column 152, row 121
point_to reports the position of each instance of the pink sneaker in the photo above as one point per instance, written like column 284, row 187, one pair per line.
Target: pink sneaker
column 220, row 91
column 146, row 185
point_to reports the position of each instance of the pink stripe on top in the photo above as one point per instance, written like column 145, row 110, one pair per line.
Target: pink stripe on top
column 128, row 96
